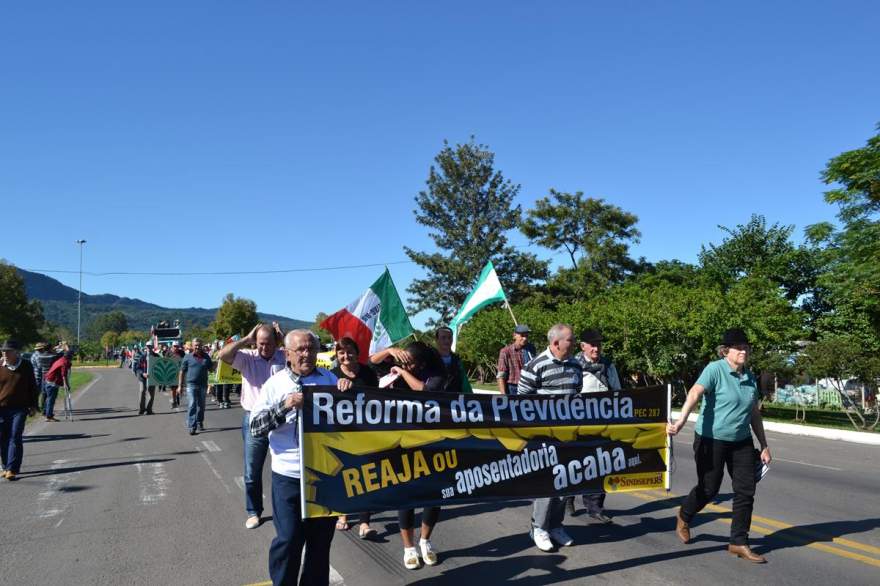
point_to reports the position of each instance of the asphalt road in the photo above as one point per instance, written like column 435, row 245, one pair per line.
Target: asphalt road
column 114, row 498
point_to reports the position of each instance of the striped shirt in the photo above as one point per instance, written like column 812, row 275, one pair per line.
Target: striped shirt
column 547, row 375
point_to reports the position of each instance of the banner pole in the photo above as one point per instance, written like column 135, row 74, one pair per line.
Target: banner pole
column 668, row 437
column 507, row 304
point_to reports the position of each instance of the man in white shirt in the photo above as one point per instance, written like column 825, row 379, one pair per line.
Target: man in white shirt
column 276, row 414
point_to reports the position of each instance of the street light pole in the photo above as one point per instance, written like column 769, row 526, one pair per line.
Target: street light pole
column 79, row 297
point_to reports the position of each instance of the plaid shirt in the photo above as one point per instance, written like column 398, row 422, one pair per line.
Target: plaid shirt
column 510, row 363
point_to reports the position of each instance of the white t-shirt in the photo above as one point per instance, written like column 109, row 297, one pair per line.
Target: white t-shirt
column 284, row 440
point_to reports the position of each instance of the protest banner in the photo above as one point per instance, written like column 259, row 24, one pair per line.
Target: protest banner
column 374, row 450
column 224, row 374
column 162, row 371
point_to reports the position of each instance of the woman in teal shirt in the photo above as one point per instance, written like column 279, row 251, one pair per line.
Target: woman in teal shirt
column 723, row 437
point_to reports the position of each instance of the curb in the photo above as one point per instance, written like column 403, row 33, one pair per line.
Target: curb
column 845, row 435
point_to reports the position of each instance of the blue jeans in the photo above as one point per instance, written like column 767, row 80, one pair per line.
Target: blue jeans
column 255, row 450
column 11, row 430
column 50, row 393
column 292, row 534
column 195, row 414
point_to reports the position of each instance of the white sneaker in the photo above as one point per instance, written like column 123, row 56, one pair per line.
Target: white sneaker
column 411, row 558
column 252, row 522
column 561, row 537
column 428, row 554
column 542, row 539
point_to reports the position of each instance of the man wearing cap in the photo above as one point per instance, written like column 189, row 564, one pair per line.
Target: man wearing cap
column 18, row 398
column 194, row 370
column 511, row 359
column 140, row 372
column 723, row 438
column 41, row 361
column 57, row 376
column 600, row 375
column 552, row 372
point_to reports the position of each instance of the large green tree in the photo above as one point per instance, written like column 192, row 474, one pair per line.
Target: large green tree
column 595, row 234
column 755, row 249
column 20, row 318
column 852, row 252
column 112, row 321
column 236, row 316
column 468, row 209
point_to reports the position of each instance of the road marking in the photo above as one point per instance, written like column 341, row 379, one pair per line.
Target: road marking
column 211, row 446
column 335, row 580
column 809, row 464
column 799, row 536
column 154, row 482
column 53, row 500
column 214, row 470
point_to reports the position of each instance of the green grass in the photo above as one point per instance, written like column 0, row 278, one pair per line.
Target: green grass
column 110, row 362
column 78, row 379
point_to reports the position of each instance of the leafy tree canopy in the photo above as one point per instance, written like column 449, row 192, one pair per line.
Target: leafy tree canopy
column 468, row 209
column 235, row 316
column 20, row 318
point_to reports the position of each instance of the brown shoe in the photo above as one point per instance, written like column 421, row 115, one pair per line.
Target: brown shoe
column 9, row 475
column 746, row 553
column 682, row 529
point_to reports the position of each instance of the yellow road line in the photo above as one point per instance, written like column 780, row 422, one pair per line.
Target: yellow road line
column 799, row 535
column 266, row 583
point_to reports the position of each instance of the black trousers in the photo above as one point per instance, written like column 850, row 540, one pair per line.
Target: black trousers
column 712, row 456
column 406, row 518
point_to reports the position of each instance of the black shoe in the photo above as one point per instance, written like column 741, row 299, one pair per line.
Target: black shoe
column 149, row 412
column 201, row 427
column 193, row 431
column 141, row 412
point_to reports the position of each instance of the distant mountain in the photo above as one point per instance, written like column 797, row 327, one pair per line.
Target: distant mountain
column 59, row 307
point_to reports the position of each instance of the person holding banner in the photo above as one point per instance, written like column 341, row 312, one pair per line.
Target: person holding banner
column 456, row 376
column 275, row 414
column 552, row 372
column 723, row 437
column 599, row 375
column 423, row 370
column 347, row 353
column 256, row 365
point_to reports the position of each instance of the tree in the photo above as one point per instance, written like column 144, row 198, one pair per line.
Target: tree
column 205, row 334
column 852, row 252
column 113, row 321
column 838, row 358
column 236, row 316
column 468, row 209
column 20, row 318
column 133, row 337
column 754, row 250
column 323, row 334
column 596, row 235
column 109, row 340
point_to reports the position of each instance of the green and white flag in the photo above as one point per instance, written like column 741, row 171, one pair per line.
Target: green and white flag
column 487, row 290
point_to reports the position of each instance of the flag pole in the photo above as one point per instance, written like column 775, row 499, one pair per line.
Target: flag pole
column 507, row 304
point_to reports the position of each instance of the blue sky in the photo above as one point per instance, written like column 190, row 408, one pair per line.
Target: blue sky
column 226, row 135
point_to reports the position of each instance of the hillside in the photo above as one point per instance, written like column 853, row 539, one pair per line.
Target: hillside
column 59, row 307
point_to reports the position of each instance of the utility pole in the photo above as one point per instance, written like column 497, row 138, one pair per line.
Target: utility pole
column 79, row 297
